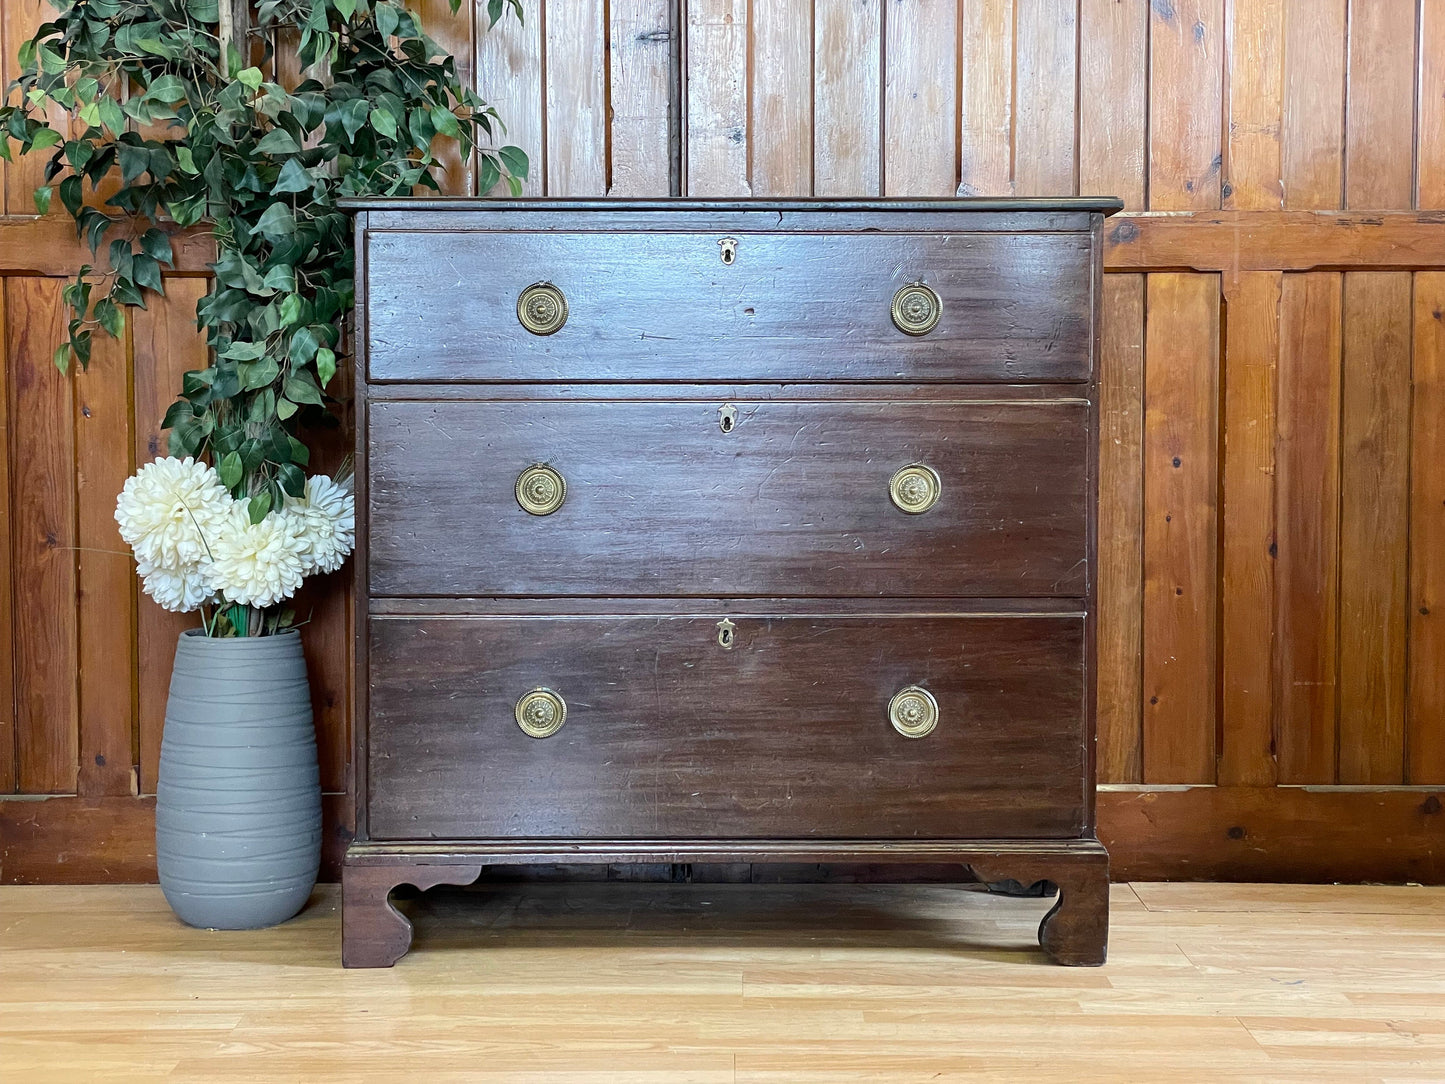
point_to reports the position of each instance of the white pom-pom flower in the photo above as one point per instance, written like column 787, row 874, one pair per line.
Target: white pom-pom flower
column 257, row 564
column 168, row 512
column 179, row 591
column 325, row 516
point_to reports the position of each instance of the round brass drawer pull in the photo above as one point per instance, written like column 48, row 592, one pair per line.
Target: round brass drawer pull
column 541, row 713
column 915, row 488
column 913, row 712
column 542, row 308
column 916, row 309
column 540, row 490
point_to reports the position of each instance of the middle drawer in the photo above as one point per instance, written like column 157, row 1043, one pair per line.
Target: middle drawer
column 709, row 499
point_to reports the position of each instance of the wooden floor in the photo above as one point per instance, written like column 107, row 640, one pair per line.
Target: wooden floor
column 680, row 983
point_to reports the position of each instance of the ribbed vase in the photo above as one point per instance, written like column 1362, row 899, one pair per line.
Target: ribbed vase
column 238, row 798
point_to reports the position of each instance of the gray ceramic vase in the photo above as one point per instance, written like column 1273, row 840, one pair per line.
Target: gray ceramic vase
column 238, row 799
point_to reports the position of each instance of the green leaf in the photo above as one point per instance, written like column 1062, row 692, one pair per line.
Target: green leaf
column 299, row 388
column 445, row 122
column 250, row 78
column 290, row 309
column 347, row 8
column 158, row 247
column 42, row 198
column 168, row 88
column 325, row 365
column 203, row 11
column 44, row 139
column 186, row 160
column 61, row 358
column 292, row 479
column 112, row 115
column 110, row 317
column 515, row 161
column 285, row 408
column 304, row 345
column 231, row 470
column 277, row 221
column 261, row 374
column 51, row 62
column 384, row 122
column 259, row 506
column 146, row 272
column 387, row 18
column 293, row 178
column 278, row 141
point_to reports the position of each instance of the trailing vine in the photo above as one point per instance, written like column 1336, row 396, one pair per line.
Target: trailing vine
column 173, row 114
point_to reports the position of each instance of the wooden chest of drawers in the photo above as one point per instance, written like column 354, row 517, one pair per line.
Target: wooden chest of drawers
column 727, row 533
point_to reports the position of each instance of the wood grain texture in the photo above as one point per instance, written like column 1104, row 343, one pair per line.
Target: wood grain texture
column 793, row 502
column 1374, row 526
column 639, row 89
column 508, row 65
column 986, row 98
column 1312, row 138
column 441, row 730
column 664, row 306
column 576, row 73
column 165, row 345
column 1254, row 77
column 1307, row 527
column 1121, row 524
column 43, row 540
column 920, row 104
column 847, row 125
column 1046, row 77
column 454, row 33
column 1251, row 354
column 1186, row 39
column 1380, row 105
column 1425, row 707
column 8, row 733
column 1114, row 99
column 106, row 582
column 717, row 98
column 1180, row 491
column 1430, row 123
column 19, row 20
column 780, row 122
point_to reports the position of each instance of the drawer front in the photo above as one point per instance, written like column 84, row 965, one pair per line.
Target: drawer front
column 793, row 501
column 668, row 734
column 664, row 307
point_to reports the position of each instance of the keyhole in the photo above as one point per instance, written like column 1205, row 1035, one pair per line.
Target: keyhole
column 725, row 630
column 729, row 246
column 727, row 417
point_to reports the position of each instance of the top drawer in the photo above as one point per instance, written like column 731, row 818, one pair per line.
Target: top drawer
column 788, row 307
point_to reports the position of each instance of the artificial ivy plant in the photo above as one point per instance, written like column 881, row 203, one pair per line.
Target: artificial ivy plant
column 168, row 109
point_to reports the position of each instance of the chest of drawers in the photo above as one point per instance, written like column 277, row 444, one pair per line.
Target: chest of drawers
column 726, row 533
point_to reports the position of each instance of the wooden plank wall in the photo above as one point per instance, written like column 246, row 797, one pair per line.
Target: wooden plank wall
column 1272, row 566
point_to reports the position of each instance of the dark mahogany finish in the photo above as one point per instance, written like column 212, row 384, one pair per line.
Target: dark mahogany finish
column 770, row 743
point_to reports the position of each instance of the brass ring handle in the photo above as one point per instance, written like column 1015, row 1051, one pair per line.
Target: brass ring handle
column 916, row 309
column 540, row 490
column 913, row 712
column 915, row 488
column 542, row 308
column 541, row 712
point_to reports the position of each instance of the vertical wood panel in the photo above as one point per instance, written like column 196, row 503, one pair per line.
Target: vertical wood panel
column 1246, row 754
column 576, row 39
column 106, row 572
column 1430, row 138
column 1113, row 100
column 1185, row 76
column 1374, row 526
column 1180, row 478
column 454, row 34
column 508, row 69
column 19, row 19
column 1425, row 719
column 42, row 539
column 641, row 71
column 1046, row 65
column 7, row 571
column 165, row 345
column 986, row 86
column 717, row 98
column 1254, row 50
column 848, row 63
column 920, row 107
column 1312, row 134
column 1307, row 498
column 780, row 128
column 1121, row 511
column 1380, row 107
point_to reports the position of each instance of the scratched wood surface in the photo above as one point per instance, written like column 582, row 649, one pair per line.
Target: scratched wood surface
column 1301, row 393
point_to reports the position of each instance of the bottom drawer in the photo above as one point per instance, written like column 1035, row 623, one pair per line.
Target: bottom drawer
column 783, row 733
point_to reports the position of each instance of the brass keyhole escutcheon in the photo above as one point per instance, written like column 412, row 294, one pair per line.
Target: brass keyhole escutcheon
column 542, row 308
column 727, row 417
column 915, row 488
column 913, row 712
column 729, row 247
column 541, row 712
column 726, row 634
column 540, row 490
column 916, row 309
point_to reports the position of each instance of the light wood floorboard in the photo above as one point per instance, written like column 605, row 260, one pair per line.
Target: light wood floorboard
column 619, row 982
